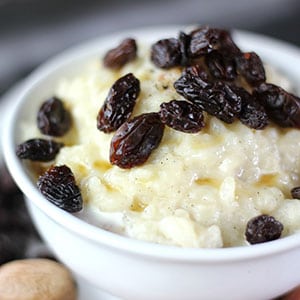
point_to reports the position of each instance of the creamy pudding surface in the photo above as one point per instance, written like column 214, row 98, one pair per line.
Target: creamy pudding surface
column 196, row 189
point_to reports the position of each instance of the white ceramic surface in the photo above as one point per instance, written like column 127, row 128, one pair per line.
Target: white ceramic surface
column 134, row 269
column 85, row 290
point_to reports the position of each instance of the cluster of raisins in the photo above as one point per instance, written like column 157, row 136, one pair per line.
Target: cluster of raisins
column 216, row 85
column 57, row 184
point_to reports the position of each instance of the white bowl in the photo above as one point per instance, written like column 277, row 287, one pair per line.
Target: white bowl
column 134, row 269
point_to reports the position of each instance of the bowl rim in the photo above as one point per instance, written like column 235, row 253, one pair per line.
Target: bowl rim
column 98, row 235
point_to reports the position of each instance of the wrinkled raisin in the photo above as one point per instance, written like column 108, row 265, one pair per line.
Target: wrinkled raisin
column 263, row 228
column 58, row 185
column 282, row 107
column 216, row 98
column 53, row 119
column 38, row 149
column 295, row 192
column 134, row 141
column 252, row 113
column 193, row 79
column 227, row 45
column 125, row 52
column 204, row 40
column 221, row 66
column 182, row 116
column 250, row 66
column 166, row 53
column 119, row 103
column 184, row 42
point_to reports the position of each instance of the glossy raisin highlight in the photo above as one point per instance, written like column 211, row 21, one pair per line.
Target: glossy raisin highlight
column 283, row 108
column 38, row 149
column 58, row 186
column 119, row 103
column 252, row 113
column 250, row 66
column 166, row 53
column 295, row 192
column 135, row 140
column 182, row 116
column 221, row 66
column 53, row 119
column 216, row 98
column 125, row 52
column 263, row 228
column 203, row 40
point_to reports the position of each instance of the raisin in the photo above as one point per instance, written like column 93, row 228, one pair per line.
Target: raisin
column 282, row 107
column 250, row 66
column 125, row 52
column 252, row 113
column 184, row 42
column 221, row 66
column 182, row 116
column 216, row 98
column 53, row 119
column 263, row 228
column 166, row 53
column 227, row 45
column 119, row 103
column 193, row 80
column 295, row 192
column 222, row 102
column 38, row 149
column 135, row 140
column 58, row 185
column 204, row 40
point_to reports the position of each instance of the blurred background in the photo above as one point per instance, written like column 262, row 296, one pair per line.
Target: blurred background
column 33, row 30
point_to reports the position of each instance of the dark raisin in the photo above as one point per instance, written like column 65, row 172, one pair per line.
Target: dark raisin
column 166, row 53
column 58, row 185
column 121, row 55
column 222, row 102
column 216, row 98
column 182, row 116
column 295, row 192
column 250, row 66
column 227, row 45
column 282, row 107
column 263, row 228
column 135, row 140
column 203, row 41
column 53, row 119
column 193, row 80
column 252, row 113
column 38, row 149
column 119, row 103
column 184, row 43
column 221, row 66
